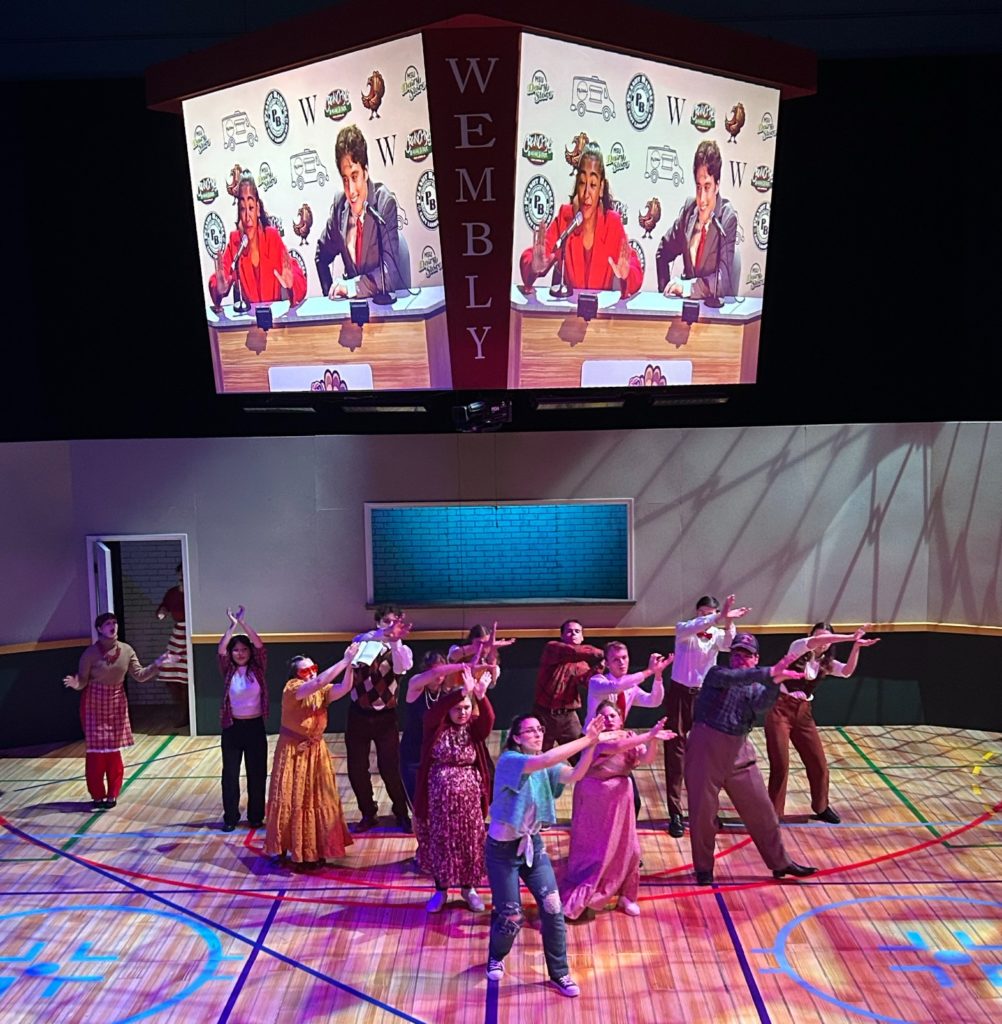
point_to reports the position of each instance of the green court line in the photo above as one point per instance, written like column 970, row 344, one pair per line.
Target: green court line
column 887, row 782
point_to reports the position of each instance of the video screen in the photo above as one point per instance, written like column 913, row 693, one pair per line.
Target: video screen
column 317, row 216
column 641, row 222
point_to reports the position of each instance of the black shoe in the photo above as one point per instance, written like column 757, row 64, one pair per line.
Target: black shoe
column 404, row 824
column 797, row 870
column 99, row 805
column 228, row 828
column 255, row 824
column 109, row 803
column 365, row 824
column 675, row 827
column 704, row 878
column 828, row 816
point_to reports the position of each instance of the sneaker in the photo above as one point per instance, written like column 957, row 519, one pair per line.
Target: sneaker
column 228, row 828
column 675, row 827
column 495, row 970
column 566, row 986
column 473, row 901
column 437, row 901
column 628, row 907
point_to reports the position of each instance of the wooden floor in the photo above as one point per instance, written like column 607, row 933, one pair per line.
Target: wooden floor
column 149, row 912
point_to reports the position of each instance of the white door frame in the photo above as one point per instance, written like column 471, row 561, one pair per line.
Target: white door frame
column 93, row 539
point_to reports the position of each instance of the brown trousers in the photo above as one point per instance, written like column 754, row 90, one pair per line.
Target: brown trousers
column 789, row 720
column 561, row 726
column 679, row 704
column 360, row 732
column 714, row 761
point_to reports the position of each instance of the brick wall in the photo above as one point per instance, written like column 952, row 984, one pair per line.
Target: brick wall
column 456, row 554
column 147, row 574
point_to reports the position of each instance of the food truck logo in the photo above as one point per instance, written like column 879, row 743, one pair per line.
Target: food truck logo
column 276, row 117
column 537, row 202
column 208, row 191
column 663, row 164
column 640, row 102
column 537, row 148
column 767, row 126
column 760, row 226
column 618, row 206
column 418, row 145
column 266, row 176
column 755, row 278
column 590, row 95
column 539, row 89
column 337, row 106
column 427, row 199
column 305, row 168
column 237, row 130
column 199, row 140
column 413, row 84
column 639, row 250
column 616, row 160
column 213, row 234
column 762, row 178
column 430, row 264
column 704, row 117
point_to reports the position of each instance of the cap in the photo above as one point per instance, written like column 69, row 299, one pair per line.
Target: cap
column 745, row 642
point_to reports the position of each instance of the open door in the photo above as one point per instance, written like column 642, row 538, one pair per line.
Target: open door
column 102, row 590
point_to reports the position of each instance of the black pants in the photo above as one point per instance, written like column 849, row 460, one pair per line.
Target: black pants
column 244, row 740
column 362, row 730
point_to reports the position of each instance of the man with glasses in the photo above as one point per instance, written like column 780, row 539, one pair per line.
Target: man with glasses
column 376, row 670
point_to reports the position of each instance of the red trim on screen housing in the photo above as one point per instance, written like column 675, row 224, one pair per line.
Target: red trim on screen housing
column 627, row 28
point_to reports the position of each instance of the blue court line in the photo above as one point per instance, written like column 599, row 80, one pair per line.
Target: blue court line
column 211, row 924
column 756, row 994
column 245, row 973
column 491, row 1006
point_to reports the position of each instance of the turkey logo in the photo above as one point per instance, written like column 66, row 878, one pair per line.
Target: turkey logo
column 573, row 155
column 373, row 99
column 650, row 217
column 233, row 185
column 304, row 222
column 735, row 121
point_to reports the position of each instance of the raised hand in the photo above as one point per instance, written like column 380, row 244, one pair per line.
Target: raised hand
column 540, row 261
column 729, row 612
column 284, row 276
column 398, row 630
column 657, row 663
column 621, row 266
column 868, row 642
column 594, row 730
column 350, row 651
column 780, row 671
column 652, row 733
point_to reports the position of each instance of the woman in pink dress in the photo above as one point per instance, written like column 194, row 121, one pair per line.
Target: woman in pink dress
column 604, row 860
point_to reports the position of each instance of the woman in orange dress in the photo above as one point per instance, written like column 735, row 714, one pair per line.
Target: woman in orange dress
column 305, row 820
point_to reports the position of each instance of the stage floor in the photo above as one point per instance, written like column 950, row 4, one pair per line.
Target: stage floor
column 149, row 912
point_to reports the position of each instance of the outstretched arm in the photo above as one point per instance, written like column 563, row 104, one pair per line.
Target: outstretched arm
column 557, row 755
column 328, row 676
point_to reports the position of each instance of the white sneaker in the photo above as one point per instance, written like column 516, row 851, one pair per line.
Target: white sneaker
column 566, row 986
column 437, row 901
column 495, row 970
column 628, row 907
column 473, row 901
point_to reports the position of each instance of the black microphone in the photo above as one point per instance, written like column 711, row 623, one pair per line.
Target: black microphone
column 244, row 241
column 576, row 221
column 375, row 214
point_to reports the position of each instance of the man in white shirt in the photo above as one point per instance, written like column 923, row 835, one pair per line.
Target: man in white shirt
column 697, row 644
column 619, row 684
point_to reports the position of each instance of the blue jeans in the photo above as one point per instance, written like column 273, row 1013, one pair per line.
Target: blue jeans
column 505, row 866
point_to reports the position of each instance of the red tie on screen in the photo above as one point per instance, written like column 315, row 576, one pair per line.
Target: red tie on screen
column 700, row 247
column 358, row 244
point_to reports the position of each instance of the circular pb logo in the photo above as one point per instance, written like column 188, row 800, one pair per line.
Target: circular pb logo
column 213, row 234
column 297, row 256
column 276, row 117
column 537, row 203
column 639, row 250
column 640, row 102
column 427, row 199
column 760, row 226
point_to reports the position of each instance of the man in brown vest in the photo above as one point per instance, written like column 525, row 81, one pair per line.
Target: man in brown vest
column 382, row 660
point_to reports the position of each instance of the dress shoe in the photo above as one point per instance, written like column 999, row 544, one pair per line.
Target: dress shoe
column 98, row 805
column 255, row 824
column 365, row 824
column 828, row 816
column 404, row 824
column 675, row 827
column 797, row 870
column 704, row 878
column 228, row 828
column 473, row 901
column 628, row 907
column 109, row 803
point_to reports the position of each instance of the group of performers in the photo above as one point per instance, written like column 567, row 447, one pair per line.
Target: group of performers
column 472, row 817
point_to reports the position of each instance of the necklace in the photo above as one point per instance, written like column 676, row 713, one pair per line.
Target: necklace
column 429, row 699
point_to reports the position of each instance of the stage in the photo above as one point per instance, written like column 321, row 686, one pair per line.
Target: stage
column 149, row 912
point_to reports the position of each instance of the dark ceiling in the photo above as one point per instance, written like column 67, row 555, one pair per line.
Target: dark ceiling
column 121, row 38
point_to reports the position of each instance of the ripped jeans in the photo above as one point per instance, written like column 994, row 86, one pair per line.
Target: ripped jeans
column 505, row 866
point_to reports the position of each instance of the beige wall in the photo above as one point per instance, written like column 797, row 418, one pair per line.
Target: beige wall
column 888, row 522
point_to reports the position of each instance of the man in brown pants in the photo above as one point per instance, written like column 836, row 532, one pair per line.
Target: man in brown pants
column 566, row 666
column 719, row 756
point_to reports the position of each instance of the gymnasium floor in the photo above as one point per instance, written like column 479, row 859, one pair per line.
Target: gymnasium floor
column 149, row 912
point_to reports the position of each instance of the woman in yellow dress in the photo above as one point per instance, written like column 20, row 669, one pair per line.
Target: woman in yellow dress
column 305, row 820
